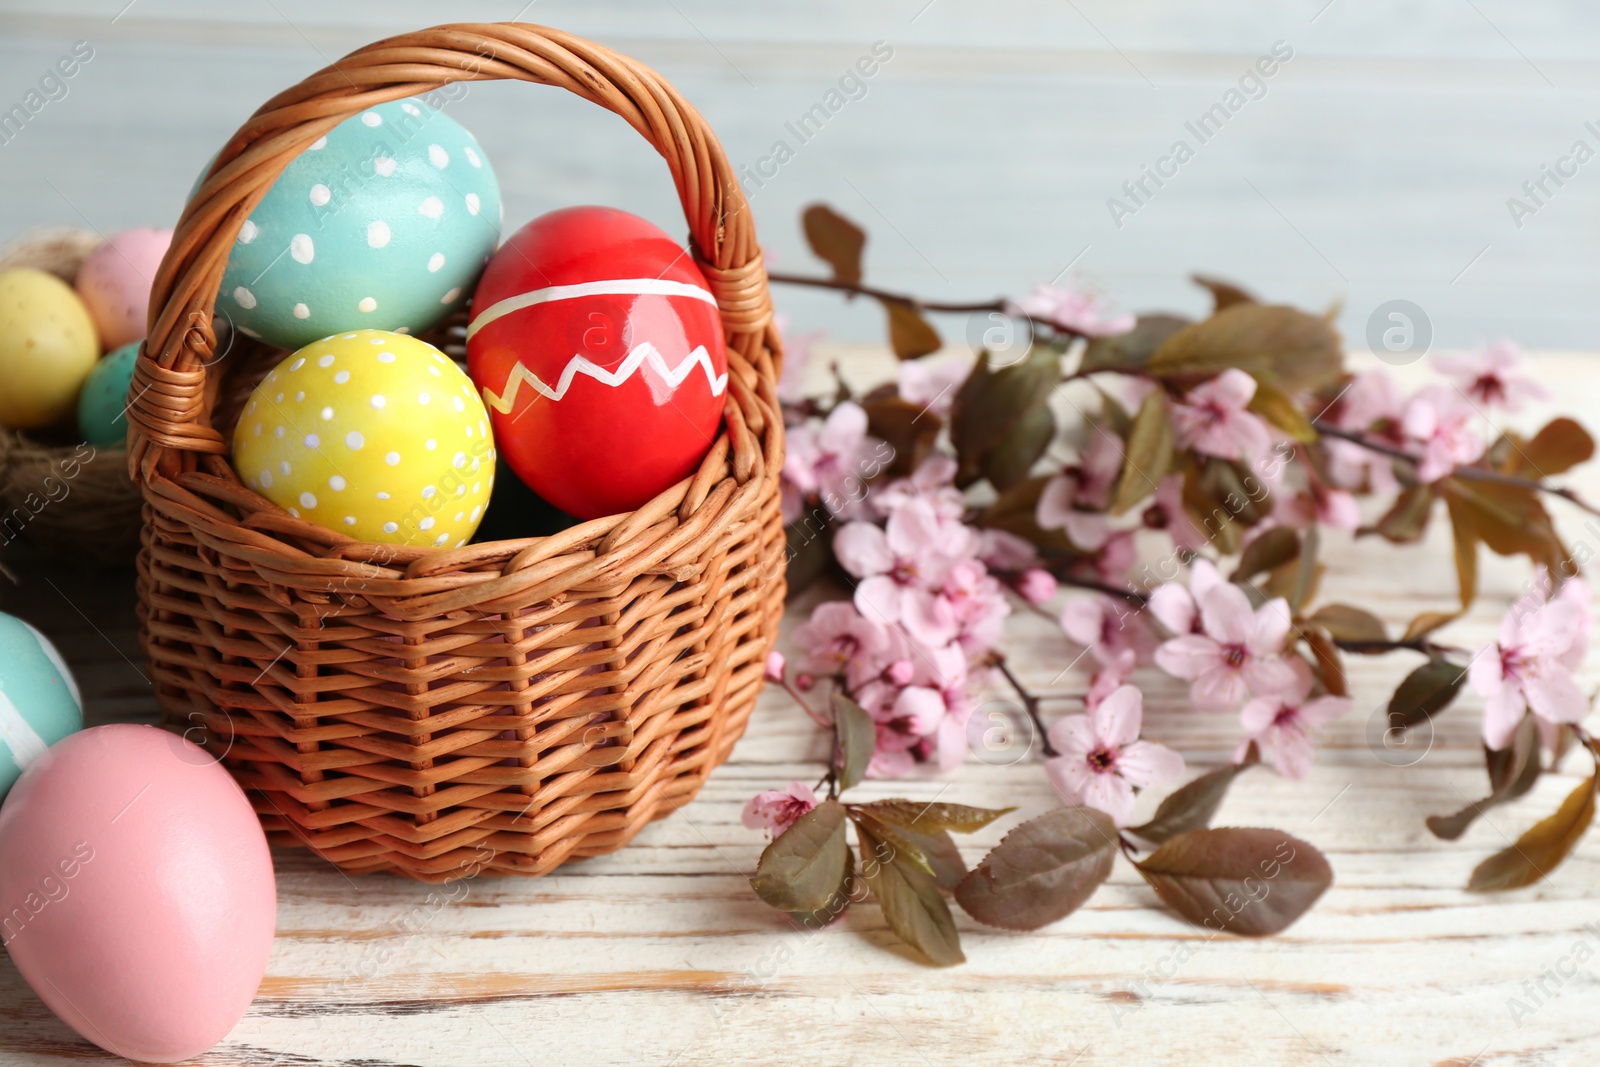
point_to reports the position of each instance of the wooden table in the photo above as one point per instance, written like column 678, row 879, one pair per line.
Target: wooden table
column 660, row 954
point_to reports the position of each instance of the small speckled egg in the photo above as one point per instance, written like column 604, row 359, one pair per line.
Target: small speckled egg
column 114, row 282
column 374, row 434
column 48, row 346
column 385, row 223
column 39, row 701
column 103, row 404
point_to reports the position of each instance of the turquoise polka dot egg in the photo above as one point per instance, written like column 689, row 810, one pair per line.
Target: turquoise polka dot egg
column 384, row 223
column 39, row 700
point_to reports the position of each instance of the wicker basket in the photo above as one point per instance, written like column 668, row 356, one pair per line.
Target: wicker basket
column 56, row 492
column 499, row 707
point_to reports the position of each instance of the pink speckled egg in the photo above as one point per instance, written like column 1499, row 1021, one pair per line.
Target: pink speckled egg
column 136, row 891
column 115, row 280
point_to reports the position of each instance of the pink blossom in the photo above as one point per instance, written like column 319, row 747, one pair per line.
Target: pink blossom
column 903, row 564
column 1167, row 512
column 1116, row 557
column 932, row 385
column 777, row 809
column 1036, row 586
column 1283, row 724
column 932, row 481
column 1075, row 499
column 1101, row 758
column 976, row 603
column 1100, row 624
column 1109, row 678
column 838, row 640
column 1492, row 377
column 924, row 721
column 1214, row 420
column 796, row 359
column 1238, row 652
column 1176, row 607
column 775, row 666
column 1371, row 406
column 1005, row 552
column 832, row 462
column 1441, row 421
column 1529, row 668
column 1070, row 310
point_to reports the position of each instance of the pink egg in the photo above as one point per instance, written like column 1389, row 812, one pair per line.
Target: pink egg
column 115, row 280
column 136, row 891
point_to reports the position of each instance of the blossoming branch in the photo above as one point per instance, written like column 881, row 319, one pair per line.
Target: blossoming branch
column 1181, row 535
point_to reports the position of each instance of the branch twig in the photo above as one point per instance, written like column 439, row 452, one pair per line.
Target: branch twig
column 1471, row 474
column 1030, row 703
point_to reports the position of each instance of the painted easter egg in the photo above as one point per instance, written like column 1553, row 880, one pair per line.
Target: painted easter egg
column 374, row 434
column 48, row 346
column 39, row 699
column 114, row 282
column 103, row 403
column 139, row 891
column 382, row 224
column 599, row 350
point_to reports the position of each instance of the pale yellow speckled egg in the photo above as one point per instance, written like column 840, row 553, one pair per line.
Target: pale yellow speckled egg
column 372, row 433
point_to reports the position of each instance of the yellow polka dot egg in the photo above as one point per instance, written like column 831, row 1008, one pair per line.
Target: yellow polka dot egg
column 372, row 433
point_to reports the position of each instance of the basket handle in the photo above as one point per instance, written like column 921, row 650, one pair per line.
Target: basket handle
column 169, row 418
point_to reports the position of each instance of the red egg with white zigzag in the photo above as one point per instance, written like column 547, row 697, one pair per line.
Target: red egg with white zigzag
column 598, row 349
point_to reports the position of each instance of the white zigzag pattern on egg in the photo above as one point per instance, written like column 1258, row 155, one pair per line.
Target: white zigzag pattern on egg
column 637, row 357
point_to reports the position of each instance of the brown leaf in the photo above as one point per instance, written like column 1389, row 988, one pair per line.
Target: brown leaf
column 912, row 904
column 1425, row 691
column 1042, row 870
column 925, row 818
column 837, row 905
column 1281, row 345
column 1512, row 772
column 899, row 843
column 1542, row 848
column 1561, row 445
column 1147, row 455
column 1237, row 489
column 1223, row 294
column 1278, row 408
column 1246, row 881
column 1345, row 622
column 944, row 860
column 856, row 736
column 1407, row 518
column 1510, row 519
column 1326, row 658
column 1193, row 805
column 1427, row 622
column 1009, row 462
column 910, row 335
column 805, row 865
column 991, row 402
column 836, row 240
column 1465, row 538
column 910, row 429
column 1273, row 548
column 1130, row 351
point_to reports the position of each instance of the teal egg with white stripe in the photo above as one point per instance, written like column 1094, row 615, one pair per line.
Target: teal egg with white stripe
column 383, row 224
column 39, row 699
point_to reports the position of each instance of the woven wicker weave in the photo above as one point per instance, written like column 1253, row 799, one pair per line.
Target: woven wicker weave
column 501, row 707
column 56, row 492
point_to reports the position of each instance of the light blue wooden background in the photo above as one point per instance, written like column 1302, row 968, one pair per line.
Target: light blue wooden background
column 1377, row 166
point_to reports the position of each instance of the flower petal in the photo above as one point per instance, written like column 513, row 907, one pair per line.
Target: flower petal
column 1111, row 794
column 1225, row 611
column 862, row 549
column 1219, row 689
column 1117, row 718
column 1147, row 764
column 1072, row 735
column 1189, row 656
column 1173, row 607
